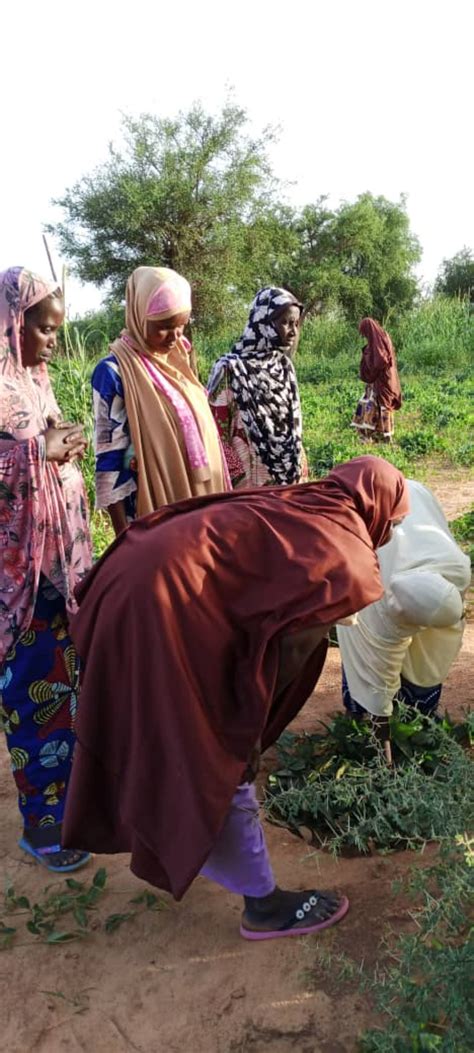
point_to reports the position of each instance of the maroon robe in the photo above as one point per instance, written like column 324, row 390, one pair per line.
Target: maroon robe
column 179, row 628
column 378, row 365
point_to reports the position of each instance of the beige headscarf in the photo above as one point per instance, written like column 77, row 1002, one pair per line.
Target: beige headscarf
column 173, row 432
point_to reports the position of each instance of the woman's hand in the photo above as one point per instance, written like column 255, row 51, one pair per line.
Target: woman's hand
column 118, row 516
column 64, row 442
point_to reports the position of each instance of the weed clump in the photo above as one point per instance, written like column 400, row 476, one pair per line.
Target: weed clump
column 422, row 983
column 338, row 786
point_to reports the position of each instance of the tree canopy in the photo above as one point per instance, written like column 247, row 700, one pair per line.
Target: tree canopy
column 197, row 194
column 360, row 257
column 456, row 276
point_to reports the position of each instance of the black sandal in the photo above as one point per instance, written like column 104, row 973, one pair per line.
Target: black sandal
column 293, row 926
column 63, row 861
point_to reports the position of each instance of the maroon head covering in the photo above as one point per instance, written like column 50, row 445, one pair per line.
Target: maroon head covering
column 378, row 365
column 372, row 482
column 179, row 627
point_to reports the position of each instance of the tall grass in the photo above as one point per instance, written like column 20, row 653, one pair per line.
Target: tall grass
column 437, row 336
column 71, row 377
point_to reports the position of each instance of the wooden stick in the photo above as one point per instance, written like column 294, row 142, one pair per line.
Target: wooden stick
column 53, row 272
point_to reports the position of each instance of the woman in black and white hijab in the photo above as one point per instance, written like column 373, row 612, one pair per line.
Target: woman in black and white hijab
column 253, row 394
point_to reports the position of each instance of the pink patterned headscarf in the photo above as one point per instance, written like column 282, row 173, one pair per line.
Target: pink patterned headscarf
column 172, row 297
column 43, row 507
column 155, row 294
column 19, row 290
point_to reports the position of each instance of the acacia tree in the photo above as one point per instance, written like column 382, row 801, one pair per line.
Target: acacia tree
column 190, row 193
column 360, row 256
column 456, row 276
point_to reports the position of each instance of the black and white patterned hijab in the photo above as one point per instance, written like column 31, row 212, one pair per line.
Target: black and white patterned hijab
column 263, row 381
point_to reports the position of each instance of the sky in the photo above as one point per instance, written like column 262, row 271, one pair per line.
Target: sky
column 367, row 95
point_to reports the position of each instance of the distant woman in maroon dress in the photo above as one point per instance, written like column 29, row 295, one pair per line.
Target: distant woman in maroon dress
column 203, row 630
column 374, row 416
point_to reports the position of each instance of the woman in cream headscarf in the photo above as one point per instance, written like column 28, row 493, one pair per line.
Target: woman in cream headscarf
column 404, row 644
column 155, row 438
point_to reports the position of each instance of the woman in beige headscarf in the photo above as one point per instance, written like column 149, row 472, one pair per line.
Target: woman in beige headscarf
column 155, row 438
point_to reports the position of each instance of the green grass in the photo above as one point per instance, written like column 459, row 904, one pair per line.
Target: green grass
column 436, row 421
column 70, row 374
column 463, row 530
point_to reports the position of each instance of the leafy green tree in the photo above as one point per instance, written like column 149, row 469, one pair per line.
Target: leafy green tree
column 377, row 252
column 197, row 194
column 456, row 276
column 194, row 193
column 360, row 256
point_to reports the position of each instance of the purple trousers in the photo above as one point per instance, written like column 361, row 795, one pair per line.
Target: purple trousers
column 239, row 860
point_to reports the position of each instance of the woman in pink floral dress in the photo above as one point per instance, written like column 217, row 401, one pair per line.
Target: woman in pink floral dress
column 44, row 552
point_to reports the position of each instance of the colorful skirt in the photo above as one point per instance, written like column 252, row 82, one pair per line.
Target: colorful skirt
column 372, row 420
column 39, row 686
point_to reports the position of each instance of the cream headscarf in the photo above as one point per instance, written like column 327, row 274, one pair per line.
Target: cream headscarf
column 173, row 432
column 420, row 598
column 416, row 628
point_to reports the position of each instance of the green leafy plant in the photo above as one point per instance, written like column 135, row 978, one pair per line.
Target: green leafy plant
column 337, row 785
column 418, row 443
column 75, row 900
column 456, row 275
column 463, row 530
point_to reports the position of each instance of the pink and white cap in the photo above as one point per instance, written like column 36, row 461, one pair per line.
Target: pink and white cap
column 172, row 296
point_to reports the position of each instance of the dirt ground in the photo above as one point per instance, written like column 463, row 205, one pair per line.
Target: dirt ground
column 181, row 980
